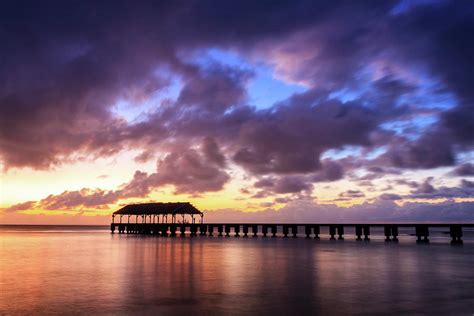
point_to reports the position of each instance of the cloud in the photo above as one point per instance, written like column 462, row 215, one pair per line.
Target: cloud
column 212, row 152
column 20, row 207
column 430, row 151
column 370, row 87
column 61, row 91
column 466, row 169
column 467, row 184
column 291, row 137
column 390, row 197
column 411, row 184
column 330, row 171
column 188, row 170
column 70, row 201
column 291, row 184
column 427, row 191
column 352, row 194
column 425, row 188
column 215, row 89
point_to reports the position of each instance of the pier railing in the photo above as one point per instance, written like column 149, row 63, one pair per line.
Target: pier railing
column 336, row 231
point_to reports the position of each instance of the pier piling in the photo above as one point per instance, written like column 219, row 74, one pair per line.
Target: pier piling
column 390, row 231
column 456, row 234
column 245, row 229
column 255, row 230
column 422, row 231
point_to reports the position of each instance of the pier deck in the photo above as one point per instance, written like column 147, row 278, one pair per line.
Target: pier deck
column 335, row 231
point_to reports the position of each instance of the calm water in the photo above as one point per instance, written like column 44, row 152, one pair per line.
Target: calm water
column 73, row 270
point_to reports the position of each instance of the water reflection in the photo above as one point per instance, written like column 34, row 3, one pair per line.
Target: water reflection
column 84, row 272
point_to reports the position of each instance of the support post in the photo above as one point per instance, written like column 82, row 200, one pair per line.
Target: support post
column 358, row 230
column 332, row 232
column 237, row 230
column 317, row 231
column 274, row 230
column 173, row 230
column 220, row 229
column 245, row 229
column 422, row 231
column 340, row 231
column 366, row 229
column 294, row 230
column 394, row 233
column 456, row 234
column 386, row 230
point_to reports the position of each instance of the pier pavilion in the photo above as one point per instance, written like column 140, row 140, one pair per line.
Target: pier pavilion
column 157, row 213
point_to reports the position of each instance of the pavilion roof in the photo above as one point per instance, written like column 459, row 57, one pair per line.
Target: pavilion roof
column 158, row 209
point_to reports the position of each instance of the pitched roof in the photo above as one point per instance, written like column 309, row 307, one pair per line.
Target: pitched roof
column 158, row 209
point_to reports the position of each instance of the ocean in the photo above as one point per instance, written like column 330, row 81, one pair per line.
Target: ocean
column 79, row 270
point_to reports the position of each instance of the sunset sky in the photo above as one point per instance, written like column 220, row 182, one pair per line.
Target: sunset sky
column 268, row 110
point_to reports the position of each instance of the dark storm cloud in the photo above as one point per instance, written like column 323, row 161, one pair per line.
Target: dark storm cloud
column 291, row 184
column 292, row 136
column 466, row 169
column 467, row 184
column 330, row 171
column 431, row 150
column 212, row 152
column 282, row 185
column 215, row 89
column 65, row 65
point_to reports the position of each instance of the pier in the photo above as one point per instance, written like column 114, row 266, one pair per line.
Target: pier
column 183, row 219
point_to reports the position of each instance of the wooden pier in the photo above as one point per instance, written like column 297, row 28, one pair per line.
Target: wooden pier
column 335, row 231
column 172, row 219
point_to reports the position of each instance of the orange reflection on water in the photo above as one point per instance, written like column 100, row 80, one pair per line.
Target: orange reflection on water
column 94, row 272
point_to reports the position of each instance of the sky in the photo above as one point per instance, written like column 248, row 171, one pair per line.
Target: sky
column 251, row 110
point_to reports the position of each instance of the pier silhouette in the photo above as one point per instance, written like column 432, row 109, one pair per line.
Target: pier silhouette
column 172, row 219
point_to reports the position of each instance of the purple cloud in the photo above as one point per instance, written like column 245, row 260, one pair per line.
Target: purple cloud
column 67, row 66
